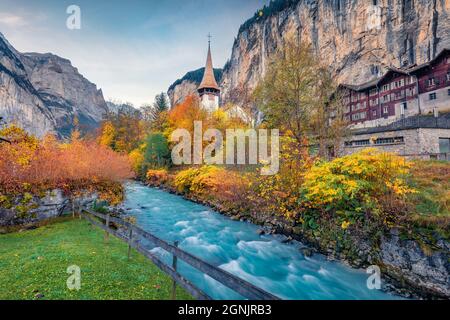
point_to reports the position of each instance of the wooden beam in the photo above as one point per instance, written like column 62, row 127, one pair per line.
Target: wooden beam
column 229, row 280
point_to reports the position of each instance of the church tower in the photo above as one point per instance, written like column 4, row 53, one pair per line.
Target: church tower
column 209, row 89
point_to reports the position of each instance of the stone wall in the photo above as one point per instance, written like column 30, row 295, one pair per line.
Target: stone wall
column 53, row 204
column 419, row 142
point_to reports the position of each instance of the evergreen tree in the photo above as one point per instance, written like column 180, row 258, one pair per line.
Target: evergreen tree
column 157, row 153
column 161, row 103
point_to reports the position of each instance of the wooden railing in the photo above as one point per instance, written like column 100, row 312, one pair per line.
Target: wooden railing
column 133, row 235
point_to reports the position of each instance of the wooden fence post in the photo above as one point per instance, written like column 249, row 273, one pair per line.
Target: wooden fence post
column 130, row 240
column 174, row 266
column 107, row 226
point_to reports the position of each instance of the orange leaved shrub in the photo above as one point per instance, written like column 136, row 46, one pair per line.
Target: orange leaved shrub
column 35, row 165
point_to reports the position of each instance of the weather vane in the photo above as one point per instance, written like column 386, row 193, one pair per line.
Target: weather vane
column 209, row 38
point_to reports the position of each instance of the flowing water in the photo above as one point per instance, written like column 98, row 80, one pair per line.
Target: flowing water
column 236, row 247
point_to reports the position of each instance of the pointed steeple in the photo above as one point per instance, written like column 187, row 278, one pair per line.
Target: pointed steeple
column 209, row 80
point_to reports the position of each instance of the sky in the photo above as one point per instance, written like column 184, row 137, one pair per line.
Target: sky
column 131, row 49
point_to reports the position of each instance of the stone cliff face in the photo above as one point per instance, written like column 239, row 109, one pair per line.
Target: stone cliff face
column 355, row 38
column 180, row 91
column 44, row 93
column 19, row 101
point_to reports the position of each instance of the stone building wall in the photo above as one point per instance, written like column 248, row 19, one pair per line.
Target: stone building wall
column 417, row 143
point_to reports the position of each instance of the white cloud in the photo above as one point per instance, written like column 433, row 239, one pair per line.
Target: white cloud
column 12, row 20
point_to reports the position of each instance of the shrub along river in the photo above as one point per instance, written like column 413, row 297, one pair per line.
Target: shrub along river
column 236, row 247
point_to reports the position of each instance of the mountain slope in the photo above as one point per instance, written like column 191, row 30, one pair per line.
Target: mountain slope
column 44, row 93
column 19, row 101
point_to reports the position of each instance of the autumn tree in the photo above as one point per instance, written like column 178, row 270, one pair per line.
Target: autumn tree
column 123, row 131
column 183, row 115
column 295, row 96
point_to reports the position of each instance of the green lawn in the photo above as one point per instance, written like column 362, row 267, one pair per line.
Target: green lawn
column 34, row 265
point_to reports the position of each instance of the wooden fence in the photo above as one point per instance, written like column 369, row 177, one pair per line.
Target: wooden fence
column 133, row 235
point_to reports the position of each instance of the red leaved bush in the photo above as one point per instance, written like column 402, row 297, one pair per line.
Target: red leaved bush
column 28, row 163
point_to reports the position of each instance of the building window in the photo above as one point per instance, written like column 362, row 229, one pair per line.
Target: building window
column 448, row 92
column 385, row 110
column 373, row 92
column 381, row 141
column 410, row 92
column 448, row 76
column 385, row 87
column 444, row 145
column 431, row 82
column 357, row 143
column 374, row 113
column 400, row 94
column 359, row 116
column 433, row 96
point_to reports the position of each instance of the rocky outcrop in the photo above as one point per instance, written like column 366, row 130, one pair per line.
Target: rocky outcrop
column 44, row 93
column 406, row 261
column 355, row 38
column 180, row 91
column 188, row 85
column 53, row 204
column 19, row 100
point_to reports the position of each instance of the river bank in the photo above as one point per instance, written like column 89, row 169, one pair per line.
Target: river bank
column 407, row 269
column 266, row 260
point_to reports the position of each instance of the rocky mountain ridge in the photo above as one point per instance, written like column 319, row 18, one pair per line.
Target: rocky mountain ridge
column 44, row 93
column 357, row 39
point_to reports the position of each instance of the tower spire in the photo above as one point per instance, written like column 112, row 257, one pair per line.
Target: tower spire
column 209, row 80
column 208, row 89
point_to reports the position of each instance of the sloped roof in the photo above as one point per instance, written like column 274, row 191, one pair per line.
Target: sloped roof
column 209, row 81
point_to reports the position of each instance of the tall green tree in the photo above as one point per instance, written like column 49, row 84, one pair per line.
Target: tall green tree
column 161, row 103
column 157, row 152
column 155, row 114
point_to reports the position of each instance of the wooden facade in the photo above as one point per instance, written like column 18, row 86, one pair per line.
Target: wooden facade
column 399, row 90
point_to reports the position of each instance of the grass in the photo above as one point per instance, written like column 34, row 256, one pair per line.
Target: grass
column 432, row 179
column 432, row 201
column 34, row 265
